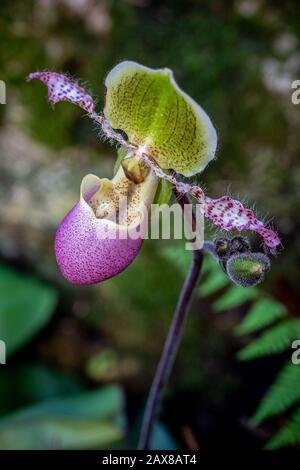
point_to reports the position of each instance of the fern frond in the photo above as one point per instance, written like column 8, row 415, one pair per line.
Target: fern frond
column 273, row 341
column 282, row 394
column 288, row 435
column 264, row 312
column 234, row 297
column 210, row 266
column 214, row 282
column 214, row 276
column 178, row 256
column 181, row 258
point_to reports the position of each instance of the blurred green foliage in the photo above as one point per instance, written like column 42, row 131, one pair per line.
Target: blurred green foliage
column 88, row 420
column 26, row 306
column 275, row 339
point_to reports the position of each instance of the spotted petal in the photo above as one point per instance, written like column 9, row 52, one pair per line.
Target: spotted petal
column 229, row 214
column 62, row 88
column 226, row 213
column 92, row 244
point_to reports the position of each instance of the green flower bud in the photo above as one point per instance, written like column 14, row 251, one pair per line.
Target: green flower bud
column 247, row 269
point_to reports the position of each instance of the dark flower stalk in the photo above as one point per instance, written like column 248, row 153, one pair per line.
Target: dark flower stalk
column 171, row 345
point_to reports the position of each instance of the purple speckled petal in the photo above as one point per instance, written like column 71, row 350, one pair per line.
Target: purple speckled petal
column 226, row 213
column 83, row 256
column 62, row 88
column 90, row 249
column 230, row 214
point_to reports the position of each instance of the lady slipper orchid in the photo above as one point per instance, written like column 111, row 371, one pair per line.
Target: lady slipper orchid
column 167, row 130
column 98, row 238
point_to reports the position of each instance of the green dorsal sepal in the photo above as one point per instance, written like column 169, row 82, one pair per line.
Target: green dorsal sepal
column 159, row 117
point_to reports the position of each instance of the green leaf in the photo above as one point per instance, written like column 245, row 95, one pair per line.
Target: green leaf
column 235, row 297
column 288, row 435
column 273, row 341
column 159, row 117
column 262, row 313
column 26, row 306
column 33, row 382
column 163, row 192
column 282, row 394
column 89, row 420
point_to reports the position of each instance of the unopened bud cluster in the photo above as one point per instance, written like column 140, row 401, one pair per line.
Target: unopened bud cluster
column 244, row 267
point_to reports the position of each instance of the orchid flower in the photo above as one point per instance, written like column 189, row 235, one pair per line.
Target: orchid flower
column 166, row 130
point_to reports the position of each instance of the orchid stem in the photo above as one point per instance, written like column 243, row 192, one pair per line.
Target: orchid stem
column 171, row 346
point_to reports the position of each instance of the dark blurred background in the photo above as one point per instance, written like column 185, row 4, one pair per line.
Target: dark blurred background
column 80, row 360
